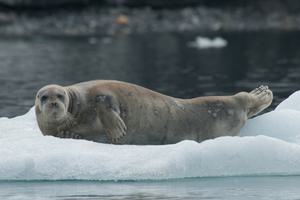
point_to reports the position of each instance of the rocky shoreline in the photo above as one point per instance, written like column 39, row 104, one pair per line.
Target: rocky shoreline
column 97, row 21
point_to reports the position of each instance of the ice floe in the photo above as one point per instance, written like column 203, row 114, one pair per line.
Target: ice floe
column 204, row 43
column 268, row 145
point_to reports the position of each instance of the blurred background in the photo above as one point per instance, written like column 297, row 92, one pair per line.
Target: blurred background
column 167, row 46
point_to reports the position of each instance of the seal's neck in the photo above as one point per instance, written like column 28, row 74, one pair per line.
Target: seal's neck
column 74, row 101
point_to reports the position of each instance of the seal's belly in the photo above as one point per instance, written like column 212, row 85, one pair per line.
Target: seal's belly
column 160, row 122
column 173, row 122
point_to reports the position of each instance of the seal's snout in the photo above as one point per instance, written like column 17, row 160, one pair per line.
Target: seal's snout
column 54, row 104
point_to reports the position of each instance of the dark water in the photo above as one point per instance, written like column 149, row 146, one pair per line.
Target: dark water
column 161, row 62
column 231, row 188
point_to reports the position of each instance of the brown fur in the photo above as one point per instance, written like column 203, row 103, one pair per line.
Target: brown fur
column 124, row 113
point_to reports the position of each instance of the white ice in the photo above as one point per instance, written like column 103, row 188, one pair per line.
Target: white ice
column 269, row 145
column 204, row 43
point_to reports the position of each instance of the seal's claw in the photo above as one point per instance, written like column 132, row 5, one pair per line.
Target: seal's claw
column 76, row 136
column 117, row 132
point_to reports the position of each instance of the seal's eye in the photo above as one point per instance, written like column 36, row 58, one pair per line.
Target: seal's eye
column 44, row 98
column 60, row 97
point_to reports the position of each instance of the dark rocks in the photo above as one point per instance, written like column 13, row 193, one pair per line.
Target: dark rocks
column 42, row 3
column 156, row 3
column 262, row 5
column 97, row 20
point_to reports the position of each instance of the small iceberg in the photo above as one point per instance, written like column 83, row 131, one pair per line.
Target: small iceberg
column 204, row 43
column 268, row 145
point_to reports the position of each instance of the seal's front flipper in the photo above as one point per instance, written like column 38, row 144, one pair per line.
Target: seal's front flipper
column 109, row 113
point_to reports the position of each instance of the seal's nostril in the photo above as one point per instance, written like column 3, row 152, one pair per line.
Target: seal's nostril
column 54, row 104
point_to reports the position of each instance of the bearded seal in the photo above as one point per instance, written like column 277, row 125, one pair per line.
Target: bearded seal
column 116, row 112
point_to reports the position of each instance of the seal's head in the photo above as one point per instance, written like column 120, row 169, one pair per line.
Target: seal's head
column 52, row 102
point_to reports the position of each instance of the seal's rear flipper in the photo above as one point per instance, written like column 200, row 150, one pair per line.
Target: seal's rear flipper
column 109, row 113
column 260, row 98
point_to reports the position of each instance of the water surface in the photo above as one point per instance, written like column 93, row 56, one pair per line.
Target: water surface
column 161, row 61
column 231, row 188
